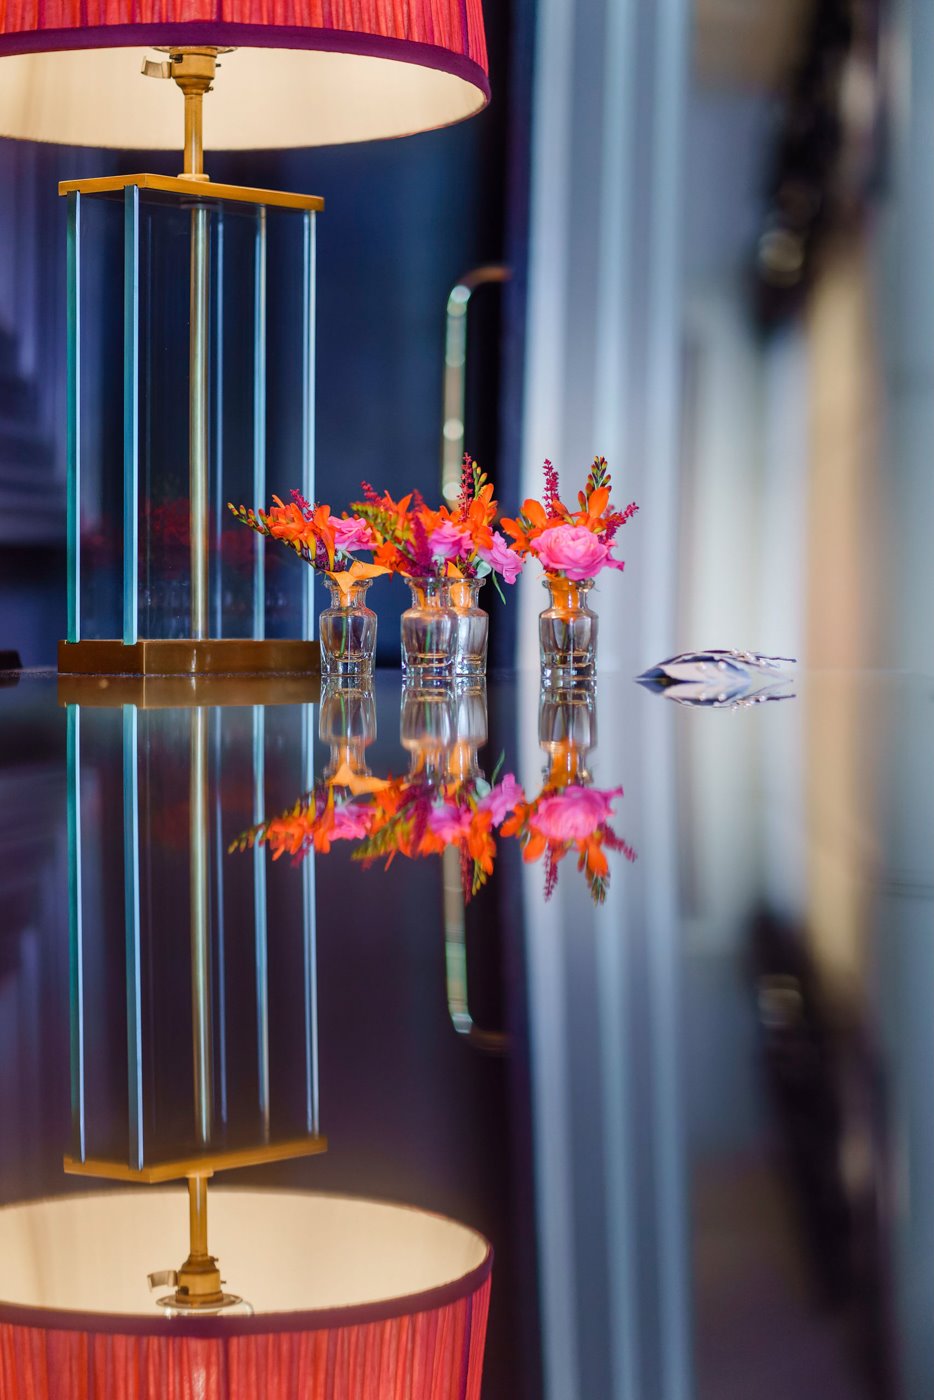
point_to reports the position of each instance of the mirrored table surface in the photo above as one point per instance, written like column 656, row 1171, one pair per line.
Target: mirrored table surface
column 639, row 990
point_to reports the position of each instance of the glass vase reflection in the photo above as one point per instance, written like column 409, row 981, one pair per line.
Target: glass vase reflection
column 567, row 732
column 347, row 631
column 470, row 731
column 473, row 627
column 429, row 632
column 427, row 726
column 347, row 724
column 567, row 631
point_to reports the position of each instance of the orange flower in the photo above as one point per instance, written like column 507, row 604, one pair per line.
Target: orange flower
column 287, row 522
column 593, row 508
column 346, row 578
column 592, row 856
column 480, row 844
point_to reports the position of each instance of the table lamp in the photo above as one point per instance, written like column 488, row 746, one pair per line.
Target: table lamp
column 350, row 1298
column 321, row 72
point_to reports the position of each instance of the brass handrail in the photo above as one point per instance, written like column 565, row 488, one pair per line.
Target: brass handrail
column 455, row 372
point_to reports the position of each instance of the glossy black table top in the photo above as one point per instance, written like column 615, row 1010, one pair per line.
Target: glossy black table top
column 687, row 1096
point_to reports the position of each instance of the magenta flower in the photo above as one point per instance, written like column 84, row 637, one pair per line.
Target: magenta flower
column 501, row 799
column 503, row 559
column 574, row 813
column 574, row 551
column 351, row 534
column 449, row 822
column 350, row 823
column 450, row 540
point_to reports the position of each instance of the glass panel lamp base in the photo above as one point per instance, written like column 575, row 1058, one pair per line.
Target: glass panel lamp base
column 228, row 656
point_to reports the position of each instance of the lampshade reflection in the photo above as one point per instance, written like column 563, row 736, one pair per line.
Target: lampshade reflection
column 350, row 1297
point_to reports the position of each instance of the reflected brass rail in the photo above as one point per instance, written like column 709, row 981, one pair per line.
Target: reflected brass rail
column 455, row 961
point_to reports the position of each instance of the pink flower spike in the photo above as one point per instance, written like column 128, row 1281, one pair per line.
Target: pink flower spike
column 502, row 558
column 352, row 534
column 502, row 798
column 450, row 540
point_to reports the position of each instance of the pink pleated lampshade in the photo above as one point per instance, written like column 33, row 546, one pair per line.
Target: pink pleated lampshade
column 353, row 1300
column 303, row 72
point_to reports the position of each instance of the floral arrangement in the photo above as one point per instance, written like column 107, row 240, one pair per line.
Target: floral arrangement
column 574, row 545
column 412, row 817
column 420, row 818
column 315, row 822
column 325, row 541
column 569, row 819
column 405, row 537
column 420, row 543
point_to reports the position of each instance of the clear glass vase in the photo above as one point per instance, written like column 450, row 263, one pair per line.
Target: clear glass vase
column 567, row 633
column 429, row 632
column 473, row 627
column 348, row 632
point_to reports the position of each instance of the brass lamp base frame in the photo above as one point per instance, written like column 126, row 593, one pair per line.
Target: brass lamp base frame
column 227, row 656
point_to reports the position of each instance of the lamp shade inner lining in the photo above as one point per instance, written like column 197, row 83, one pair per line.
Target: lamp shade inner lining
column 263, row 98
column 283, row 1251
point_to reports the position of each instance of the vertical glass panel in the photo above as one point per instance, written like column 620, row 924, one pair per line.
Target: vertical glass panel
column 100, row 1087
column 165, row 594
column 100, row 417
column 234, row 418
column 73, row 528
column 287, row 577
column 130, row 414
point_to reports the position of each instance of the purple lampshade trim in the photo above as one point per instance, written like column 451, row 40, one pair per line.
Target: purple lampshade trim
column 319, row 1320
column 261, row 36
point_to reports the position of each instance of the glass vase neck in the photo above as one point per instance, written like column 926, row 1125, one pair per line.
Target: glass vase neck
column 566, row 594
column 463, row 762
column 465, row 592
column 429, row 592
column 353, row 597
column 567, row 764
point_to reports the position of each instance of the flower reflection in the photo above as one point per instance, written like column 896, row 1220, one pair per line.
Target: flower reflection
column 445, row 802
column 421, row 816
column 570, row 819
column 569, row 815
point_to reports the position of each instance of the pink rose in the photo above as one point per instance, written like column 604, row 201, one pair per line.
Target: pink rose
column 352, row 534
column 450, row 540
column 574, row 813
column 449, row 822
column 501, row 799
column 350, row 823
column 574, row 551
column 503, row 559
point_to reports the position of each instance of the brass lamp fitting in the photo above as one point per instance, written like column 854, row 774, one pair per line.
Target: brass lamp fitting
column 198, row 1283
column 193, row 70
